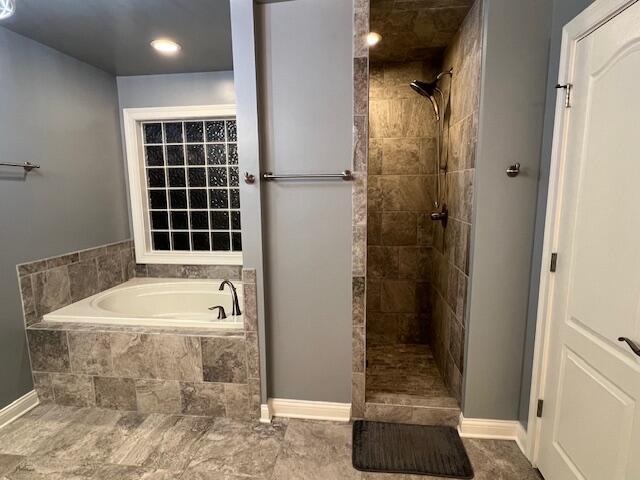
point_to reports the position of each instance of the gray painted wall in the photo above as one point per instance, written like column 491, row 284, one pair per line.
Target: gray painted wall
column 511, row 117
column 563, row 11
column 176, row 90
column 305, row 80
column 62, row 114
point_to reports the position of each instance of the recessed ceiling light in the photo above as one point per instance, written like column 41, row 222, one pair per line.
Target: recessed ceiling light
column 165, row 46
column 7, row 8
column 373, row 38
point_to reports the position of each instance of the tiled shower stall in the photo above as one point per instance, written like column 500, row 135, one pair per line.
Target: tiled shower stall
column 411, row 274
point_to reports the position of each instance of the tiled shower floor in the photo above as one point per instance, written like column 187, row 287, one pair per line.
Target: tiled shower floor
column 68, row 443
column 405, row 375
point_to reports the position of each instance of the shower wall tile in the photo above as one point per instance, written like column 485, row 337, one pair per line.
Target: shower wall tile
column 450, row 277
column 358, row 343
column 360, row 128
column 361, row 190
column 399, row 228
column 358, row 298
column 382, row 262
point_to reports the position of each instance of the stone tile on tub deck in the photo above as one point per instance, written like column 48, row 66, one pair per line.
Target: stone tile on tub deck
column 224, row 360
column 90, row 353
column 253, row 355
column 133, row 355
column 249, row 276
column 51, row 290
column 207, row 399
column 110, row 271
column 49, row 350
column 31, row 267
column 83, row 279
column 73, row 390
column 237, row 400
column 250, row 307
column 43, row 386
column 178, row 357
column 158, row 396
column 115, row 393
column 28, row 300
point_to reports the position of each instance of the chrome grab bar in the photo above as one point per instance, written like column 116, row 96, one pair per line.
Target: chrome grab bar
column 346, row 176
column 28, row 166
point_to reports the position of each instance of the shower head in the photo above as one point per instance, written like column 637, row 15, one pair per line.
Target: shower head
column 428, row 89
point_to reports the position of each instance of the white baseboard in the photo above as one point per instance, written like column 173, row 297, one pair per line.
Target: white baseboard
column 265, row 413
column 279, row 407
column 522, row 440
column 18, row 408
column 487, row 428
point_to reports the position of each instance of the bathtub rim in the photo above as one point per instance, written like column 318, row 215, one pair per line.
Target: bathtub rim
column 86, row 311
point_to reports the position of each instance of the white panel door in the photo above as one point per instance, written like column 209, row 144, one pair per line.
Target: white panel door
column 591, row 422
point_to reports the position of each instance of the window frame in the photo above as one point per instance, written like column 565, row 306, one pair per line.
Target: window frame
column 133, row 119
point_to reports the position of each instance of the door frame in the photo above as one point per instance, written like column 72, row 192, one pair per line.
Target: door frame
column 584, row 24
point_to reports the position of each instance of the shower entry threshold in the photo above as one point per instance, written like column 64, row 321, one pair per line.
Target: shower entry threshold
column 403, row 384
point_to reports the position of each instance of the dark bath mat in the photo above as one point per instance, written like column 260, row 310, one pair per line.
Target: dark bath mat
column 412, row 449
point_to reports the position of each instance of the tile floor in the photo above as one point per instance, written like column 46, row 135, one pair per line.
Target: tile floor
column 405, row 375
column 69, row 443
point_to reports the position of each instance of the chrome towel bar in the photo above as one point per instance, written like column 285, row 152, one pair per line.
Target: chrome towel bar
column 346, row 176
column 28, row 166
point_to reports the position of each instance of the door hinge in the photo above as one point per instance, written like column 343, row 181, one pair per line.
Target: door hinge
column 554, row 262
column 540, row 407
column 567, row 93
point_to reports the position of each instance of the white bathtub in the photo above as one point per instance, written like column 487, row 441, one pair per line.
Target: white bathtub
column 156, row 302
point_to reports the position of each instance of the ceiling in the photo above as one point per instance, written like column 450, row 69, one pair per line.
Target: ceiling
column 415, row 29
column 114, row 35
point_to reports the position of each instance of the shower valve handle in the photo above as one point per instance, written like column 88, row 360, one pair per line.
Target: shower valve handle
column 513, row 170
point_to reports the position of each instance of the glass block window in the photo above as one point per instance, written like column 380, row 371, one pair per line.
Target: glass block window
column 192, row 182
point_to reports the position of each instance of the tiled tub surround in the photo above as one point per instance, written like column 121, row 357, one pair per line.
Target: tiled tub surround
column 450, row 255
column 141, row 370
column 151, row 369
column 49, row 284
